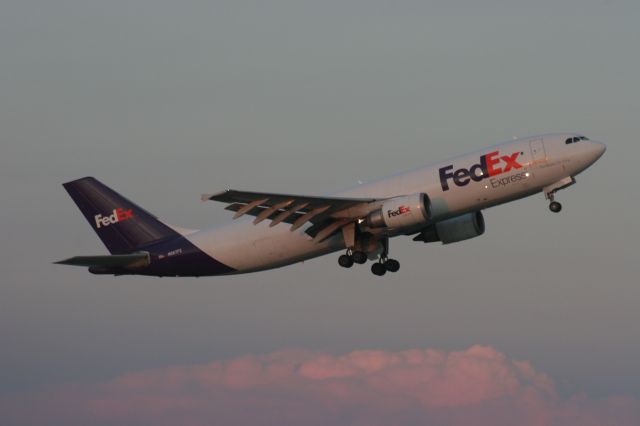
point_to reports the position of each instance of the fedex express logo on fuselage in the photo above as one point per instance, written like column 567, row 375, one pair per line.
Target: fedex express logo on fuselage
column 118, row 215
column 491, row 164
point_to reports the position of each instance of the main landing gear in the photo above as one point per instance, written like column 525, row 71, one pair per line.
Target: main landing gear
column 383, row 265
column 378, row 268
column 347, row 260
column 359, row 248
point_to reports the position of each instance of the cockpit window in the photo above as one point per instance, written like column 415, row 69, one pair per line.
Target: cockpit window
column 576, row 139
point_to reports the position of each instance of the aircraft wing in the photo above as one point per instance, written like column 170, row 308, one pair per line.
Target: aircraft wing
column 327, row 214
column 131, row 261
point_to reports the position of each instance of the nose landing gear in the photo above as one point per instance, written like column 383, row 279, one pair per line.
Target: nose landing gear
column 549, row 192
column 555, row 206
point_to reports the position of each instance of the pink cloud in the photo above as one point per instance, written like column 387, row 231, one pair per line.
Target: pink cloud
column 478, row 386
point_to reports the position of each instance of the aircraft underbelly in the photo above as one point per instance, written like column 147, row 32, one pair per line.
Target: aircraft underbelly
column 246, row 247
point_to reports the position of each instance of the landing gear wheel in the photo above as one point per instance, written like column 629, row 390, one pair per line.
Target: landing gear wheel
column 359, row 257
column 555, row 207
column 378, row 269
column 345, row 261
column 392, row 265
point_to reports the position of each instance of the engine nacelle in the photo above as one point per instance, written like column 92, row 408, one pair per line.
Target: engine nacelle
column 452, row 230
column 400, row 212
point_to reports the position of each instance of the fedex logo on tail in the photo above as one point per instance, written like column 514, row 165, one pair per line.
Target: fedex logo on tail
column 118, row 215
column 491, row 164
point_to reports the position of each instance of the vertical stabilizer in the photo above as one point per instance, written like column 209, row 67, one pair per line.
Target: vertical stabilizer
column 121, row 225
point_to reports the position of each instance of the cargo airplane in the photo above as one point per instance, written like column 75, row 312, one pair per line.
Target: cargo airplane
column 439, row 202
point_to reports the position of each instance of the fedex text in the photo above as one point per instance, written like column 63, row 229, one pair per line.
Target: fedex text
column 490, row 165
column 118, row 215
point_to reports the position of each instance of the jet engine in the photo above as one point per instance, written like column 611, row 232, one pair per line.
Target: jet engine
column 452, row 230
column 407, row 211
column 400, row 212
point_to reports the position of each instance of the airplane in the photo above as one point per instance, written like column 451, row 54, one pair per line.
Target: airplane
column 441, row 202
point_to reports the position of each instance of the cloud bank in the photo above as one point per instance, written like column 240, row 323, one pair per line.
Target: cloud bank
column 478, row 386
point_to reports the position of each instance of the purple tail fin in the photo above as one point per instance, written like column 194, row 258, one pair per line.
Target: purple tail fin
column 121, row 225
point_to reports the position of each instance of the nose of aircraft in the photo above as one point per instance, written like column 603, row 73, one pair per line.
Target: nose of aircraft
column 595, row 151
column 599, row 148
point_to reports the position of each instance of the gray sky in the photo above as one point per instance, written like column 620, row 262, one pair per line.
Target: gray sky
column 166, row 100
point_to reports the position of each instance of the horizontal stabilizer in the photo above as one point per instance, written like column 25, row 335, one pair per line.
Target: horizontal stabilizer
column 129, row 261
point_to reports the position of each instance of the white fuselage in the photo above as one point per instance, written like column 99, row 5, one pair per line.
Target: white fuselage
column 519, row 168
